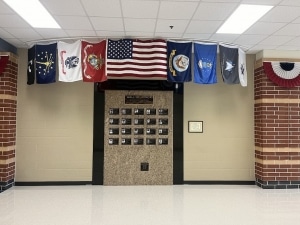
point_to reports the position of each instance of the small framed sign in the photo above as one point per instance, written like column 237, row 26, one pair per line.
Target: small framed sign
column 195, row 127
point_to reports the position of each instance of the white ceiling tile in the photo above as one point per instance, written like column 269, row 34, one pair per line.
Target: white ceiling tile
column 12, row 21
column 110, row 34
column 264, row 28
column 276, row 40
column 197, row 36
column 143, row 25
column 281, row 14
column 167, row 35
column 4, row 34
column 220, row 11
column 51, row 33
column 147, row 9
column 288, row 47
column 179, row 26
column 198, row 26
column 108, row 24
column 74, row 22
column 81, row 33
column 261, row 2
column 104, row 8
column 296, row 20
column 137, row 34
column 177, row 10
column 64, row 7
column 28, row 33
column 226, row 38
column 290, row 29
column 294, row 42
column 290, row 3
column 249, row 39
column 5, row 9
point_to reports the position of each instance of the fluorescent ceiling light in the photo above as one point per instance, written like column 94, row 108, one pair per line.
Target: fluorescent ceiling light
column 33, row 12
column 242, row 18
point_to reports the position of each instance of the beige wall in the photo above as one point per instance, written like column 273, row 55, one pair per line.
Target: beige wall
column 225, row 150
column 54, row 129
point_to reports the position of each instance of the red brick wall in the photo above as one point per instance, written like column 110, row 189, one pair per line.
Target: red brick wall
column 277, row 133
column 8, row 108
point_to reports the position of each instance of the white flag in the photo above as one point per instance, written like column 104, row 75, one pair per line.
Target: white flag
column 69, row 61
column 242, row 68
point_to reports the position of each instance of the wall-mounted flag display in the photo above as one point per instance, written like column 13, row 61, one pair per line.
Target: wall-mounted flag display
column 179, row 61
column 137, row 59
column 205, row 63
column 45, row 63
column 93, row 61
column 31, row 66
column 69, row 61
column 229, row 57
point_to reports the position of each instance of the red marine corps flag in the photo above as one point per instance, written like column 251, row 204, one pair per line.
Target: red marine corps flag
column 93, row 61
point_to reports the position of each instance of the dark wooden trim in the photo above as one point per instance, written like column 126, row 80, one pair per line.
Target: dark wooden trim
column 52, row 183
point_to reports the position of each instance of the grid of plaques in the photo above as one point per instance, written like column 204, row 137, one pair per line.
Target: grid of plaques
column 138, row 126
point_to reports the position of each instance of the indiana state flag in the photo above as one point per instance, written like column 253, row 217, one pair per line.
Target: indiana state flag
column 229, row 60
column 45, row 64
column 69, row 61
column 205, row 63
column 179, row 61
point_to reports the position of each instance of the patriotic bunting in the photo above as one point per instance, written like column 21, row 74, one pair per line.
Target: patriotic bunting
column 3, row 62
column 285, row 74
column 179, row 61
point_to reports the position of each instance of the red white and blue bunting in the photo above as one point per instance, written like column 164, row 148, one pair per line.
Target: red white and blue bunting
column 284, row 74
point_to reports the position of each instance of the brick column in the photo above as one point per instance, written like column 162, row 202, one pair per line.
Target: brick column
column 8, row 108
column 277, row 133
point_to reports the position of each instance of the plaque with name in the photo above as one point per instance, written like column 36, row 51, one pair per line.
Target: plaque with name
column 151, row 141
column 126, row 111
column 151, row 111
column 138, row 141
column 163, row 121
column 151, row 121
column 114, row 111
column 138, row 111
column 163, row 112
column 138, row 131
column 150, row 131
column 113, row 131
column 126, row 131
column 139, row 121
column 126, row 121
column 163, row 131
column 113, row 141
column 114, row 121
column 163, row 141
column 126, row 141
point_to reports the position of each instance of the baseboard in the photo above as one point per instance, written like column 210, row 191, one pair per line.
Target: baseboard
column 221, row 182
column 51, row 183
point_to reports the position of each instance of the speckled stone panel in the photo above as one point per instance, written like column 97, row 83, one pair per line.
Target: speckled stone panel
column 122, row 163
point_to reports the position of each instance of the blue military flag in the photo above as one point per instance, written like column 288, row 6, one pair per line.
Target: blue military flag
column 179, row 61
column 229, row 63
column 45, row 63
column 205, row 63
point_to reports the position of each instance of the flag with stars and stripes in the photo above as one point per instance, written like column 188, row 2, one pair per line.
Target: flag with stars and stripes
column 45, row 63
column 137, row 59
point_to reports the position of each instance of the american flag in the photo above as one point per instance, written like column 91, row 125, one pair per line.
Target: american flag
column 137, row 59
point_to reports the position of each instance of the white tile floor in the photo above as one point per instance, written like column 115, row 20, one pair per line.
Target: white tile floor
column 149, row 205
